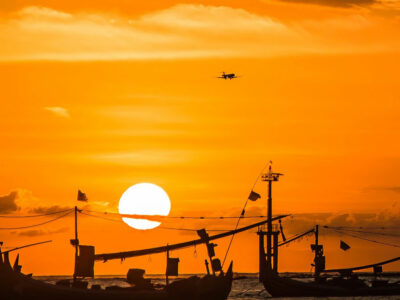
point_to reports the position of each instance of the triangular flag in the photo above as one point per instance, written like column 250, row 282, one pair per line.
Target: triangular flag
column 81, row 196
column 344, row 246
column 254, row 196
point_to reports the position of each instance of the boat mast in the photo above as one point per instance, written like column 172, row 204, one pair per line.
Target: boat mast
column 271, row 177
column 319, row 258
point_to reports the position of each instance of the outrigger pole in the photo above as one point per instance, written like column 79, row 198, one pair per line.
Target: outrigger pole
column 121, row 255
column 25, row 246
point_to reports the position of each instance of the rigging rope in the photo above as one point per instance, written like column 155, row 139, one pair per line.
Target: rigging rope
column 100, row 217
column 361, row 231
column 161, row 227
column 39, row 215
column 297, row 236
column 39, row 224
column 365, row 232
column 241, row 215
column 182, row 217
column 365, row 227
column 365, row 239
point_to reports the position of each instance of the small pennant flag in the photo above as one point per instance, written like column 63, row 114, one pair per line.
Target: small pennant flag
column 344, row 246
column 81, row 196
column 254, row 196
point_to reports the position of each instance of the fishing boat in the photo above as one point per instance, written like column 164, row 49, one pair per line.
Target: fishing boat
column 346, row 283
column 16, row 285
column 215, row 285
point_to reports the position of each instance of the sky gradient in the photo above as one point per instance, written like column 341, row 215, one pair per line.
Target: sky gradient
column 100, row 96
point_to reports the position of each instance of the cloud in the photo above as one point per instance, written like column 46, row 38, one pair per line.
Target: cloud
column 389, row 219
column 8, row 203
column 181, row 31
column 58, row 111
column 395, row 189
column 335, row 3
column 48, row 209
column 24, row 202
column 178, row 32
column 39, row 232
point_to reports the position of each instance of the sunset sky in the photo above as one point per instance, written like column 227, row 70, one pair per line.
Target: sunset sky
column 101, row 95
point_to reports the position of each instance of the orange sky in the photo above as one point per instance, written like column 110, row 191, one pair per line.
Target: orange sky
column 100, row 96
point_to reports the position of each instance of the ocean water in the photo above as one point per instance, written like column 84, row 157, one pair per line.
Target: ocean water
column 245, row 288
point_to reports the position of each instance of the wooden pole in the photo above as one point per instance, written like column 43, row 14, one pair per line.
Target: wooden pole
column 261, row 253
column 76, row 242
column 275, row 268
column 269, row 225
column 317, row 252
column 207, row 268
column 166, row 271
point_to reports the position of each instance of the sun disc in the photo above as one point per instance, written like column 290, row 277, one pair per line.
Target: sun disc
column 144, row 199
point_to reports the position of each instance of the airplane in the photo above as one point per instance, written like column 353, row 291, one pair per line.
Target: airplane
column 228, row 76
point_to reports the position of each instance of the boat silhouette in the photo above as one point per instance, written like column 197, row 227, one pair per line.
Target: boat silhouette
column 346, row 283
column 215, row 285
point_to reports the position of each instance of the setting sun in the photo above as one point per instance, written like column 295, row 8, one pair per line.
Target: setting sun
column 144, row 199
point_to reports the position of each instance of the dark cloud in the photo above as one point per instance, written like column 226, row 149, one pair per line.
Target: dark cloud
column 395, row 189
column 8, row 204
column 48, row 209
column 335, row 3
column 32, row 232
column 39, row 232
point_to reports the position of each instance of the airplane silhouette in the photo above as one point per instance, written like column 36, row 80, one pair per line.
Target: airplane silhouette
column 229, row 76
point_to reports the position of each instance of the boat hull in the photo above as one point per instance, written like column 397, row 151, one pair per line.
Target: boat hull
column 17, row 286
column 278, row 286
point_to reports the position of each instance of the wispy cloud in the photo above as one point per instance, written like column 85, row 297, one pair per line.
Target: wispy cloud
column 58, row 111
column 144, row 157
column 395, row 188
column 336, row 3
column 182, row 31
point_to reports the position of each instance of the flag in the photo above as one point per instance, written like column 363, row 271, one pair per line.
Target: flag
column 81, row 196
column 254, row 196
column 344, row 246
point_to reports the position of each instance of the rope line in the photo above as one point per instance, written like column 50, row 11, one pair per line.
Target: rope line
column 35, row 216
column 242, row 216
column 100, row 217
column 192, row 229
column 39, row 224
column 365, row 232
column 182, row 217
column 365, row 239
column 296, row 237
column 161, row 227
column 364, row 227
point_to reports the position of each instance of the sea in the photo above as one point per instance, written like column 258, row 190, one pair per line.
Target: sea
column 245, row 286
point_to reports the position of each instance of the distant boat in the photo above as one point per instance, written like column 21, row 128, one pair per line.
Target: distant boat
column 346, row 284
